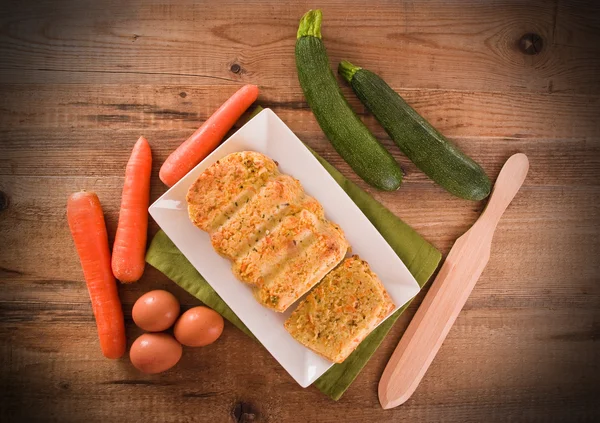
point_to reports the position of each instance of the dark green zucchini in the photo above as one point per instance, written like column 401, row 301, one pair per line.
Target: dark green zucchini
column 429, row 150
column 348, row 135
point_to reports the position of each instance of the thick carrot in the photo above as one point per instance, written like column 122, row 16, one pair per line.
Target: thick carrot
column 86, row 221
column 130, row 241
column 207, row 137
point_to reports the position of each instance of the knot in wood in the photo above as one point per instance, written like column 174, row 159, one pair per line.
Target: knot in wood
column 235, row 68
column 3, row 201
column 244, row 412
column 531, row 44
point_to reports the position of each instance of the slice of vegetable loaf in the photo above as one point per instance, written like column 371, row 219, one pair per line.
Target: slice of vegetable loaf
column 276, row 235
column 341, row 311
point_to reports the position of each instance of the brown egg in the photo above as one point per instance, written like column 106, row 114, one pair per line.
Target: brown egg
column 155, row 311
column 155, row 352
column 199, row 326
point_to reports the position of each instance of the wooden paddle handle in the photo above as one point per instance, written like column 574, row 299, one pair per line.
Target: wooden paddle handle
column 448, row 293
column 507, row 185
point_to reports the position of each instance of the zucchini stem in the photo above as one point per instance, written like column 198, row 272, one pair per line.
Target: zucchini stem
column 310, row 24
column 347, row 70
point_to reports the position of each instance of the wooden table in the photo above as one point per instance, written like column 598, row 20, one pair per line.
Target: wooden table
column 81, row 80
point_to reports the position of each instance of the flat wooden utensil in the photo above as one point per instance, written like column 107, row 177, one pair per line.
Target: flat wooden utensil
column 449, row 292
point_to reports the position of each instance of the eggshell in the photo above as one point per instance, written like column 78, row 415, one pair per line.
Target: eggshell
column 155, row 352
column 199, row 326
column 155, row 311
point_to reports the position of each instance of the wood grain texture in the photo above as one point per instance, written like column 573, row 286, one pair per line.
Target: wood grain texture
column 467, row 45
column 80, row 81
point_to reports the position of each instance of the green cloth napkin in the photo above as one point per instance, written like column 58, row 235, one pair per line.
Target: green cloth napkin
column 420, row 257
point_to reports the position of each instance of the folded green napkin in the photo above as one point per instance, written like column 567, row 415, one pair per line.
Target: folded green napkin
column 420, row 257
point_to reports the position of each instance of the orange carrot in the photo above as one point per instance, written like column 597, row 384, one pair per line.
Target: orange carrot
column 130, row 241
column 86, row 221
column 207, row 137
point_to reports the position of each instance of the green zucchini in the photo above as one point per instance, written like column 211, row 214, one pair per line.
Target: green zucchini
column 348, row 135
column 428, row 149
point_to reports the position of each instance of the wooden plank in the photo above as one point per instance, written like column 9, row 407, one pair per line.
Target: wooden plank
column 542, row 223
column 451, row 45
column 70, row 381
column 179, row 107
column 104, row 153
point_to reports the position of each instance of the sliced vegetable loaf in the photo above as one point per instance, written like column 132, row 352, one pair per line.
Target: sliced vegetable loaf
column 276, row 236
column 341, row 311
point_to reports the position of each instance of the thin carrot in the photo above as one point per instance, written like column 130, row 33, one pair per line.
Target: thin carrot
column 86, row 221
column 202, row 142
column 130, row 241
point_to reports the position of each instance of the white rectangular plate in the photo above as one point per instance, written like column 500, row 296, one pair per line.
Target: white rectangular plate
column 267, row 134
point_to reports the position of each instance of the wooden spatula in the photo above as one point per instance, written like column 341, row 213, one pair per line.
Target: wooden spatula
column 449, row 292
